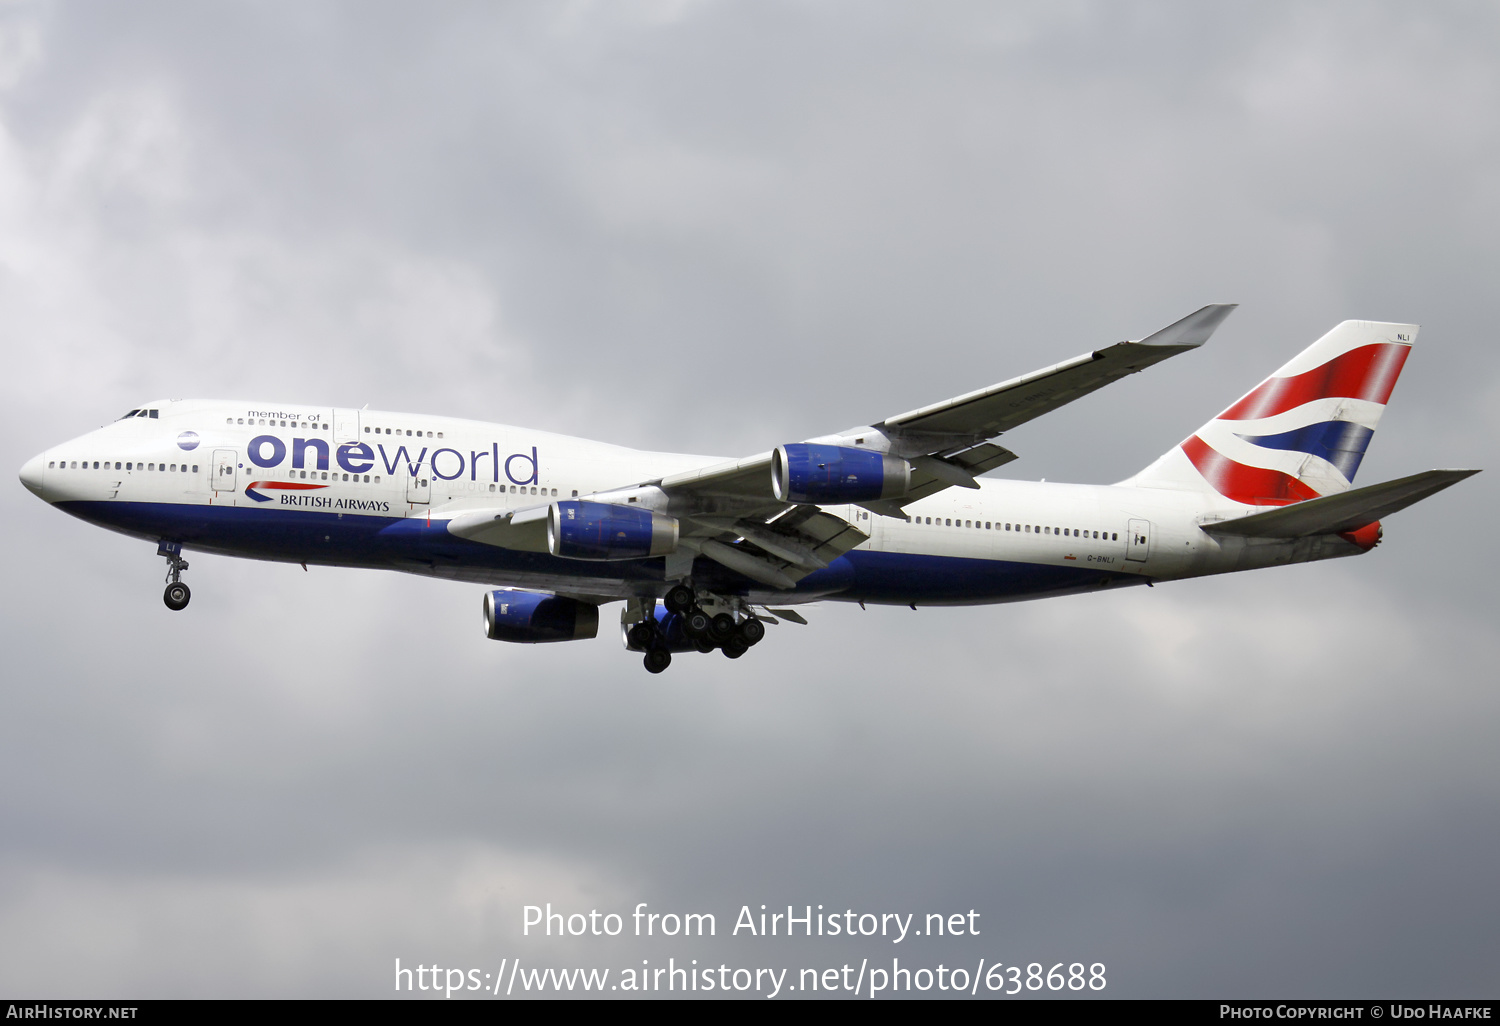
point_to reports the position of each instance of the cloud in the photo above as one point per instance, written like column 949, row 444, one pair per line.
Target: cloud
column 716, row 227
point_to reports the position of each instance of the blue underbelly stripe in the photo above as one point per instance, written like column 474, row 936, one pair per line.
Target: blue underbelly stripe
column 413, row 544
column 903, row 577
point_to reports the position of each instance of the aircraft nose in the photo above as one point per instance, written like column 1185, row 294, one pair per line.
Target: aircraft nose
column 31, row 475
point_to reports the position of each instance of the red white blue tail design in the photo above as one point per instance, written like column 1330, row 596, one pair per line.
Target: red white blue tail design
column 1303, row 431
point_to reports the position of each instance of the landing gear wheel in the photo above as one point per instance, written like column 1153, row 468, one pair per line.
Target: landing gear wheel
column 657, row 660
column 750, row 632
column 721, row 628
column 735, row 649
column 640, row 636
column 177, row 594
column 679, row 599
column 703, row 645
column 695, row 623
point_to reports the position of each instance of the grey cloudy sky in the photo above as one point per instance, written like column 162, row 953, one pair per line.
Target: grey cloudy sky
column 716, row 227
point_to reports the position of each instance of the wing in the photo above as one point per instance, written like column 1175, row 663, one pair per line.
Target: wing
column 774, row 544
column 947, row 443
column 999, row 408
column 730, row 512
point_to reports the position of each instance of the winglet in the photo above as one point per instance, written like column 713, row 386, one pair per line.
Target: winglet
column 1194, row 329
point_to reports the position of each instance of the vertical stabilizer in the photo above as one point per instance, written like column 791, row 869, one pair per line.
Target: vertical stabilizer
column 1300, row 433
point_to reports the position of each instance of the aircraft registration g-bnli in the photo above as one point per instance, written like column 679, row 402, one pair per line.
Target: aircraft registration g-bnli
column 705, row 552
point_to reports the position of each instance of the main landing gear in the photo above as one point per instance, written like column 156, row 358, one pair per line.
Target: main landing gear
column 177, row 594
column 687, row 626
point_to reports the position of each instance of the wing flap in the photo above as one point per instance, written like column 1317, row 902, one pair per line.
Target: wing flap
column 524, row 530
column 1345, row 511
column 971, row 462
column 787, row 549
column 749, row 477
column 830, row 536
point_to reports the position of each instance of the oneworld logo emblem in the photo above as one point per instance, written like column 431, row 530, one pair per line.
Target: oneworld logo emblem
column 254, row 488
column 520, row 468
column 187, row 440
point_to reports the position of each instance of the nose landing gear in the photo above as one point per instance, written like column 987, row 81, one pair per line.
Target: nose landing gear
column 177, row 594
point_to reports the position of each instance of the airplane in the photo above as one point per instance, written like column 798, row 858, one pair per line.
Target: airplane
column 705, row 552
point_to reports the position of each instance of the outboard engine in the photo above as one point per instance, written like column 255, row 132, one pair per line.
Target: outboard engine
column 530, row 617
column 803, row 472
column 579, row 529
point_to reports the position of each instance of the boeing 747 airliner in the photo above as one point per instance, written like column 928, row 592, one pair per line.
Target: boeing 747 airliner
column 704, row 552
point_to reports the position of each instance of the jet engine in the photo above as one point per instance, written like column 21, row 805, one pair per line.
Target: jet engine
column 804, row 472
column 530, row 617
column 579, row 529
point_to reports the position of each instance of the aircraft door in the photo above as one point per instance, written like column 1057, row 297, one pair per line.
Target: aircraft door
column 226, row 475
column 419, row 485
column 1138, row 545
column 345, row 426
column 870, row 524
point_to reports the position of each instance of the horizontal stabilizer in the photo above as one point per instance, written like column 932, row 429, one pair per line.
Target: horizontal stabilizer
column 1344, row 511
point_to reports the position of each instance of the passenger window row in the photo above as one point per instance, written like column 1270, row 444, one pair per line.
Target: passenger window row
column 310, row 426
column 305, row 425
column 316, row 475
column 294, row 475
column 302, row 475
column 1070, row 532
column 521, row 490
column 398, row 431
column 1067, row 532
column 74, row 465
column 1073, row 533
column 323, row 475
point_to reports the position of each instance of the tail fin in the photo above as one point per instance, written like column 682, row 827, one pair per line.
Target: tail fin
column 1303, row 431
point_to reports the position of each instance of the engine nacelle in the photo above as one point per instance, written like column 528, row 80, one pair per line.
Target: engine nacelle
column 529, row 617
column 803, row 472
column 578, row 529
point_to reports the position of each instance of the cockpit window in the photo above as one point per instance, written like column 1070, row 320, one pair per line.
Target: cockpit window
column 153, row 413
column 132, row 413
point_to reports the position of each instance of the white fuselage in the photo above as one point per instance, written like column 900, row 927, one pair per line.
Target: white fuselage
column 316, row 484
